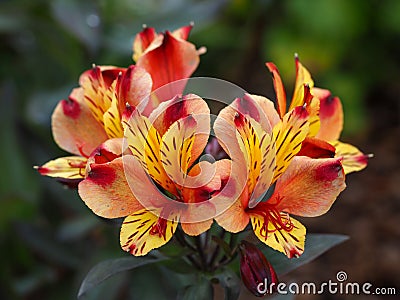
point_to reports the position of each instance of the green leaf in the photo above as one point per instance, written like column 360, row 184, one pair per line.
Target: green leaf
column 108, row 268
column 316, row 244
column 231, row 284
column 202, row 290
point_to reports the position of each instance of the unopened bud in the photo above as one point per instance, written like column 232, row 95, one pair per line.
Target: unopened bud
column 257, row 273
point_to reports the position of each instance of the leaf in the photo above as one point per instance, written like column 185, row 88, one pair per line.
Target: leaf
column 108, row 268
column 203, row 290
column 316, row 244
column 231, row 284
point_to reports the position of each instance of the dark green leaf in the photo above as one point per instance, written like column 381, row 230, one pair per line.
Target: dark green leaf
column 316, row 244
column 231, row 284
column 108, row 268
column 202, row 290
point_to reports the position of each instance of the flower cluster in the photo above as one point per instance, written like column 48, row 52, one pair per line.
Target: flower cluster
column 137, row 140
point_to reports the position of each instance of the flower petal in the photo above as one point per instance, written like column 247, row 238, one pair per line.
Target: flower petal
column 70, row 167
column 288, row 136
column 142, row 41
column 235, row 219
column 106, row 191
column 316, row 148
column 112, row 117
column 133, row 87
column 174, row 59
column 303, row 78
column 176, row 149
column 196, row 228
column 353, row 159
column 267, row 107
column 144, row 231
column 145, row 144
column 309, row 186
column 95, row 83
column 279, row 89
column 331, row 115
column 178, row 108
column 288, row 241
column 231, row 201
column 74, row 128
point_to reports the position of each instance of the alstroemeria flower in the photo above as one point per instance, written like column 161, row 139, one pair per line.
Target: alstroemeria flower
column 277, row 181
column 92, row 114
column 168, row 57
column 156, row 184
column 326, row 118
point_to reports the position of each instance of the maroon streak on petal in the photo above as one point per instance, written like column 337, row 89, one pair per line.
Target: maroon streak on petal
column 102, row 175
column 71, row 108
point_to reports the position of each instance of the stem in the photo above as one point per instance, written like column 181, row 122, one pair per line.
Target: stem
column 216, row 252
column 200, row 251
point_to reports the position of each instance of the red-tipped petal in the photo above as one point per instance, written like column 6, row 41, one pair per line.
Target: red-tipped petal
column 316, row 148
column 331, row 115
column 172, row 60
column 279, row 89
column 309, row 186
column 74, row 127
column 106, row 191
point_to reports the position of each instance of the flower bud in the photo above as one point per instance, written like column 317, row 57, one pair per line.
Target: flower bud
column 257, row 273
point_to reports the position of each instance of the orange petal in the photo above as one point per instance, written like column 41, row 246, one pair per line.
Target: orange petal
column 71, row 167
column 197, row 228
column 309, row 186
column 144, row 230
column 279, row 89
column 235, row 218
column 331, row 115
column 106, row 191
column 288, row 136
column 74, row 128
column 172, row 60
column 231, row 201
column 353, row 159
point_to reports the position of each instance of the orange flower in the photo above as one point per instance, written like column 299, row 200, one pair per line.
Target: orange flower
column 326, row 118
column 156, row 184
column 276, row 182
column 91, row 115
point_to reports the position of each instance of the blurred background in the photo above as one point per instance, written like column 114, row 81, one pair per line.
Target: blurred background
column 49, row 239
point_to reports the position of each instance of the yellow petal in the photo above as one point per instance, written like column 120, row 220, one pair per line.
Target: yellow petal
column 288, row 136
column 289, row 240
column 112, row 118
column 144, row 142
column 353, row 159
column 70, row 167
column 143, row 231
column 303, row 77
